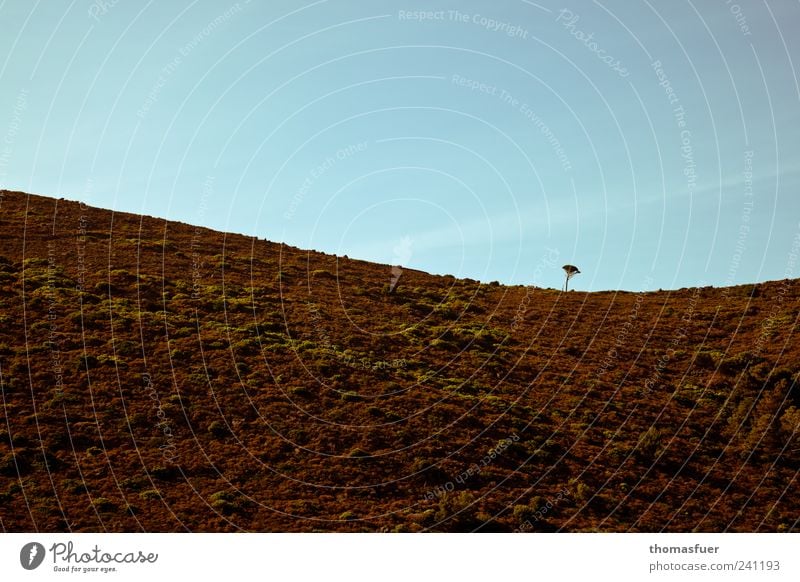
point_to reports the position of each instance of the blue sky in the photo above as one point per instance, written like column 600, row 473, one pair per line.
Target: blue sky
column 653, row 144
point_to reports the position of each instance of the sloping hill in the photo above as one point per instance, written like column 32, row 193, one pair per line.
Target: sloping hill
column 162, row 377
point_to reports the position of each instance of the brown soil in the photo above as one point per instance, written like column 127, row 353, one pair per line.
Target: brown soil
column 161, row 377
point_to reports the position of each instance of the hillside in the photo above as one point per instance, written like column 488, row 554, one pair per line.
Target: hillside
column 162, row 377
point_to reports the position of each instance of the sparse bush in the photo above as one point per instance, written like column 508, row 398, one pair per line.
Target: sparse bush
column 446, row 311
column 524, row 513
column 103, row 504
column 177, row 355
column 618, row 452
column 87, row 361
column 218, row 429
column 224, row 501
column 459, row 509
column 537, row 502
column 300, row 391
column 74, row 486
column 126, row 348
column 737, row 363
column 150, row 495
column 649, row 444
column 10, row 463
column 165, row 473
column 104, row 288
column 306, row 345
column 688, row 394
column 706, row 360
column 582, row 492
column 441, row 344
column 790, row 422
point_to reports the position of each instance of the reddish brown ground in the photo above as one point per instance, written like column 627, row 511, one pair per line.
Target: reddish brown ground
column 210, row 382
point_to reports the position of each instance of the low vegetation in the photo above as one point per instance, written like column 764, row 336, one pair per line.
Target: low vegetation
column 180, row 379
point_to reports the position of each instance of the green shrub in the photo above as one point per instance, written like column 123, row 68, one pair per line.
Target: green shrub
column 218, row 429
column 350, row 396
column 524, row 513
column 87, row 361
column 790, row 423
column 446, row 311
column 150, row 495
column 229, row 501
column 10, row 463
column 459, row 509
column 707, row 360
column 441, row 344
column 126, row 348
column 103, row 504
column 300, row 391
column 737, row 363
column 649, row 444
column 74, row 486
column 177, row 355
column 582, row 492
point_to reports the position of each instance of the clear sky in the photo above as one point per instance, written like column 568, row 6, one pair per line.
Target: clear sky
column 653, row 144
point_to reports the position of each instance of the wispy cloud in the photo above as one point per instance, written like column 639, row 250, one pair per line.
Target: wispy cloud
column 734, row 181
column 484, row 232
